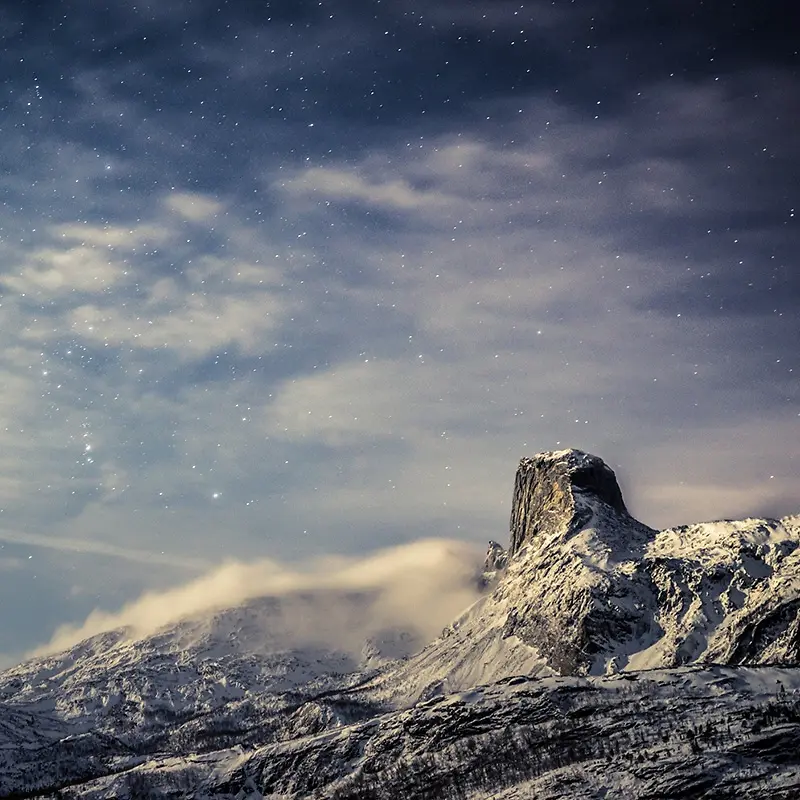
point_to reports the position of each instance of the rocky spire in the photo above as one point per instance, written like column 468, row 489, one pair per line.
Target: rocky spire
column 496, row 557
column 554, row 493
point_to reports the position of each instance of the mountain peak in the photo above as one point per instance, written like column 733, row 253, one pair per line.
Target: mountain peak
column 555, row 492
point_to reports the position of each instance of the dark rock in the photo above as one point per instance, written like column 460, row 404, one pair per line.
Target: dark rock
column 496, row 558
column 494, row 565
column 547, row 494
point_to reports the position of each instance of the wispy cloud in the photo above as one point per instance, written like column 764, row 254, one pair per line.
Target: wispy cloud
column 193, row 206
column 80, row 269
column 190, row 326
column 112, row 237
column 325, row 184
column 101, row 548
column 417, row 588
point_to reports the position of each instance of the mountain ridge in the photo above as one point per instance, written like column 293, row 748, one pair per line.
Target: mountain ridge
column 587, row 589
column 594, row 633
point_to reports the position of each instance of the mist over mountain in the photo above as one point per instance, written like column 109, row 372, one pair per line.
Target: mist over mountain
column 418, row 586
column 593, row 656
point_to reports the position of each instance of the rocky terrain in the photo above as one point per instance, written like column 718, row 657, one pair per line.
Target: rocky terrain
column 603, row 659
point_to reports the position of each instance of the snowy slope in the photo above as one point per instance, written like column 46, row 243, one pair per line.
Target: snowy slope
column 234, row 676
column 192, row 666
column 717, row 732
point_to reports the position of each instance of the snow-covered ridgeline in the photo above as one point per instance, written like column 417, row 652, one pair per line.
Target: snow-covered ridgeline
column 544, row 669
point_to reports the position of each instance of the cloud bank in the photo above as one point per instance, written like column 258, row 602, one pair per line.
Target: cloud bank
column 336, row 601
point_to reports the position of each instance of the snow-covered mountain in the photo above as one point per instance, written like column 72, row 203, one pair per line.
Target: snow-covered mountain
column 588, row 590
column 603, row 658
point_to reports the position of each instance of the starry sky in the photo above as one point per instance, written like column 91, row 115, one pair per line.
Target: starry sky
column 289, row 278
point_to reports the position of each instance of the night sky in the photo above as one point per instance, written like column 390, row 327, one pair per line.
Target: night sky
column 292, row 278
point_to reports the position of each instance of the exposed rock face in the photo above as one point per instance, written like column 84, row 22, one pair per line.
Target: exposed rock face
column 727, row 592
column 494, row 565
column 578, row 550
column 496, row 558
column 546, row 493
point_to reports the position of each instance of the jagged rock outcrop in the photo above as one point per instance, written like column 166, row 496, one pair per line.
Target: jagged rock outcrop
column 578, row 551
column 728, row 592
column 494, row 565
column 547, row 493
column 496, row 558
column 573, row 597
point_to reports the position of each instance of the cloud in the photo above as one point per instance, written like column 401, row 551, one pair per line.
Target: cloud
column 193, row 206
column 18, row 398
column 417, row 588
column 730, row 469
column 52, row 271
column 95, row 547
column 92, row 277
column 354, row 401
column 322, row 183
column 548, row 300
column 188, row 325
column 139, row 236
